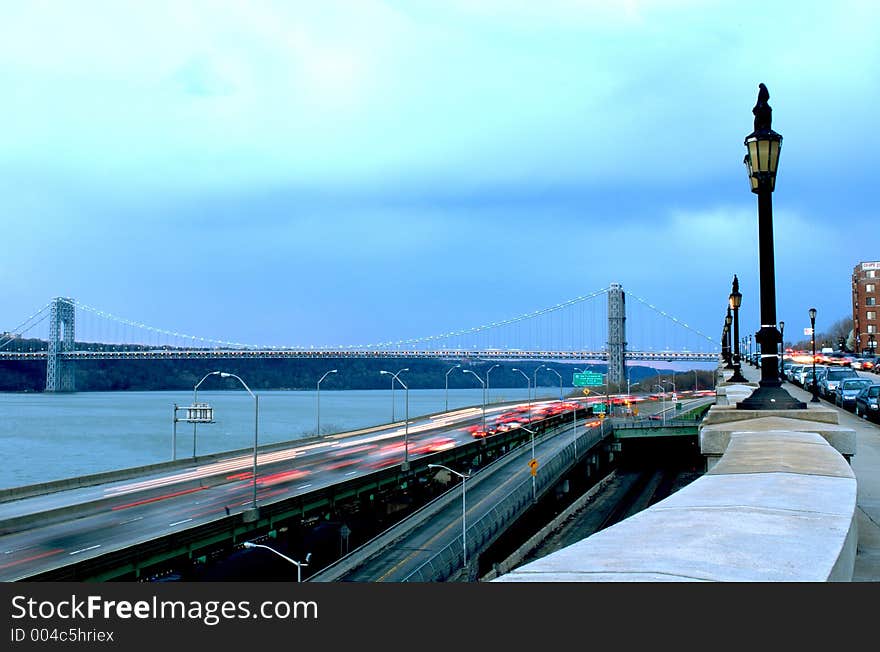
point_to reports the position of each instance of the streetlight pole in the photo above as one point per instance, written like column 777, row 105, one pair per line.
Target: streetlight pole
column 447, row 384
column 734, row 301
column 533, row 460
column 405, row 465
column 318, row 401
column 535, row 379
column 560, row 381
column 781, row 345
column 195, row 402
column 728, row 321
column 487, row 380
column 223, row 374
column 663, row 390
column 463, row 510
column 762, row 160
column 483, row 385
column 393, row 417
column 529, row 386
column 298, row 564
column 815, row 387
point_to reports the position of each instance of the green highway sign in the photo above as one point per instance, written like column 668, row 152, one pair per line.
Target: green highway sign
column 598, row 408
column 587, row 379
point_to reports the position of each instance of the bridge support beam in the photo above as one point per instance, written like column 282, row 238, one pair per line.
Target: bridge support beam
column 62, row 333
column 616, row 335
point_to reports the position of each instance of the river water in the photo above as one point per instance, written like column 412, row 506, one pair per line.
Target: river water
column 55, row 436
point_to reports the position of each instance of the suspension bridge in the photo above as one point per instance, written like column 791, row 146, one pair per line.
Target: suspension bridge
column 591, row 327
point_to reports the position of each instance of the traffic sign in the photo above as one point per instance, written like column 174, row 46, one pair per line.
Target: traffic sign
column 533, row 466
column 587, row 379
column 598, row 407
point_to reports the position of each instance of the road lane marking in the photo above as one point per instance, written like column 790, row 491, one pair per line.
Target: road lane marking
column 304, row 486
column 131, row 520
column 186, row 520
column 76, row 552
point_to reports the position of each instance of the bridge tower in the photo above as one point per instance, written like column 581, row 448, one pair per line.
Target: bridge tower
column 616, row 335
column 62, row 332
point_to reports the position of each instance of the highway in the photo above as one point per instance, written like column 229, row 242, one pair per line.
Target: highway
column 119, row 514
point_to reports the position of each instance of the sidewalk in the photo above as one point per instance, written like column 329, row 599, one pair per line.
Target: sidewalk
column 866, row 466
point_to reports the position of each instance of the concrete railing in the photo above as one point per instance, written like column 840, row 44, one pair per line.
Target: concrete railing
column 777, row 504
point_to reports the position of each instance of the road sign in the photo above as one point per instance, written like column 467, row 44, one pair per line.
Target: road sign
column 586, row 391
column 808, row 331
column 533, row 466
column 587, row 379
column 598, row 407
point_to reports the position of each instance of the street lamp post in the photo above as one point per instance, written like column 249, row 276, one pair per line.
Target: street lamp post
column 728, row 321
column 318, row 401
column 815, row 387
column 781, row 345
column 447, row 384
column 674, row 394
column 560, row 381
column 487, row 380
column 298, row 564
column 762, row 160
column 529, row 386
column 196, row 402
column 405, row 465
column 483, row 385
column 393, row 377
column 531, row 462
column 463, row 510
column 535, row 379
column 663, row 390
column 734, row 302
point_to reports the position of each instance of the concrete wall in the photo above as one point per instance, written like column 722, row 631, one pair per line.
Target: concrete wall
column 778, row 504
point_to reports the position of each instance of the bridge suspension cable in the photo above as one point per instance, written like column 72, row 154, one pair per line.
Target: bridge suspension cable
column 25, row 326
column 497, row 324
column 672, row 318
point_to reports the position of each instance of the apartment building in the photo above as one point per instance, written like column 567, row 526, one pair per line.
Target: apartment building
column 865, row 296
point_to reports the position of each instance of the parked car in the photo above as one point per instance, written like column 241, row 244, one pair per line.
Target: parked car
column 808, row 376
column 867, row 402
column 832, row 379
column 792, row 372
column 847, row 390
column 802, row 373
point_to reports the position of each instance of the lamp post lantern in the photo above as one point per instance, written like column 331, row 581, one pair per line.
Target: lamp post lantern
column 463, row 510
column 405, row 465
column 734, row 302
column 447, row 384
column 814, row 388
column 762, row 160
column 318, row 401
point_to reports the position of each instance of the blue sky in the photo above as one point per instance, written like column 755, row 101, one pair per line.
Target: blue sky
column 292, row 173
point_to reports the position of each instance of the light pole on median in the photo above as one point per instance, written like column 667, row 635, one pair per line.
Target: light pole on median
column 256, row 398
column 196, row 404
column 318, row 401
column 483, row 385
column 463, row 510
column 560, row 381
column 533, row 465
column 298, row 564
column 405, row 465
column 529, row 389
column 393, row 417
column 663, row 390
column 487, row 381
column 447, row 384
column 535, row 379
